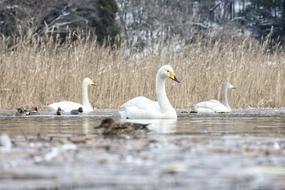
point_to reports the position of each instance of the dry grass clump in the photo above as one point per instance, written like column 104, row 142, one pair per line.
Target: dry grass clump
column 33, row 74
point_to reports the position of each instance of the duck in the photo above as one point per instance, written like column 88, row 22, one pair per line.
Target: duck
column 34, row 111
column 25, row 111
column 5, row 143
column 144, row 108
column 109, row 128
column 67, row 106
column 214, row 106
column 21, row 112
column 76, row 111
column 59, row 111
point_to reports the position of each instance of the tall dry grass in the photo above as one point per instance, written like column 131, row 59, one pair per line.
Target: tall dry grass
column 33, row 74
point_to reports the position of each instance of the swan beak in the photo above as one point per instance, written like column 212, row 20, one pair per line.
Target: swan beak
column 173, row 77
column 234, row 88
column 93, row 84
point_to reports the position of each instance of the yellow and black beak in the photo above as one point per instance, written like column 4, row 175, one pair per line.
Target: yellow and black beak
column 173, row 77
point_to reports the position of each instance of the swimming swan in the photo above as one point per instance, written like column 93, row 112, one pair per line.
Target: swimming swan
column 212, row 106
column 144, row 108
column 67, row 106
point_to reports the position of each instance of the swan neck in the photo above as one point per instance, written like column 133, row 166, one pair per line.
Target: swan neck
column 161, row 96
column 85, row 98
column 226, row 102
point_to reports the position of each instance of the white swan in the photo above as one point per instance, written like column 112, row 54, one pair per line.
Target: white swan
column 67, row 106
column 144, row 108
column 212, row 106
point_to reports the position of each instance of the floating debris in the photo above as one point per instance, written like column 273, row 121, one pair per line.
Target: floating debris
column 52, row 154
column 5, row 143
column 55, row 151
column 80, row 140
column 276, row 146
column 273, row 170
column 174, row 168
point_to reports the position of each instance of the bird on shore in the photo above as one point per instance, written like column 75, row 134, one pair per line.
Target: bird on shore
column 76, row 111
column 110, row 128
column 67, row 106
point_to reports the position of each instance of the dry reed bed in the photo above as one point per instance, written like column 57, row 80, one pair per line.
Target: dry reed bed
column 39, row 75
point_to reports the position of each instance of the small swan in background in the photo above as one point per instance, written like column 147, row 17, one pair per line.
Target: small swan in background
column 77, row 111
column 67, row 106
column 109, row 128
column 214, row 106
column 144, row 108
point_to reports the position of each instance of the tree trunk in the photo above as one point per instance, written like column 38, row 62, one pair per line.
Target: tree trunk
column 283, row 17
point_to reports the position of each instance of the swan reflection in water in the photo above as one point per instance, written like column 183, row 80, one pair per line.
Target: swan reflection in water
column 156, row 125
column 86, row 126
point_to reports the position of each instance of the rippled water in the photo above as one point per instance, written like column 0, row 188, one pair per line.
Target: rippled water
column 202, row 152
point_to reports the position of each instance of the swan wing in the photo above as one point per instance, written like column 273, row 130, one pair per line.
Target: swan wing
column 139, row 107
column 66, row 106
column 210, row 106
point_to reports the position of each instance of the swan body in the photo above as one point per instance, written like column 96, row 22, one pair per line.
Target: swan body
column 68, row 106
column 214, row 106
column 144, row 108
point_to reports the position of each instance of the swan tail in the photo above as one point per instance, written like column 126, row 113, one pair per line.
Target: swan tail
column 123, row 112
column 193, row 108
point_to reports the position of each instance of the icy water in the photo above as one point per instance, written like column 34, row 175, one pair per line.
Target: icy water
column 220, row 151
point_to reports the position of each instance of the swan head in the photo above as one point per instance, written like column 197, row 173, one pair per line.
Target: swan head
column 166, row 71
column 229, row 86
column 87, row 81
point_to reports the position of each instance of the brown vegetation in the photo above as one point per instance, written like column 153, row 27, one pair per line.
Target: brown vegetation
column 38, row 75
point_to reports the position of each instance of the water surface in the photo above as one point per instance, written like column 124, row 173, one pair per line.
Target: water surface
column 238, row 151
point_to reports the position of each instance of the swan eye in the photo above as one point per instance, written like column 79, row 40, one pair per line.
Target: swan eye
column 167, row 71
